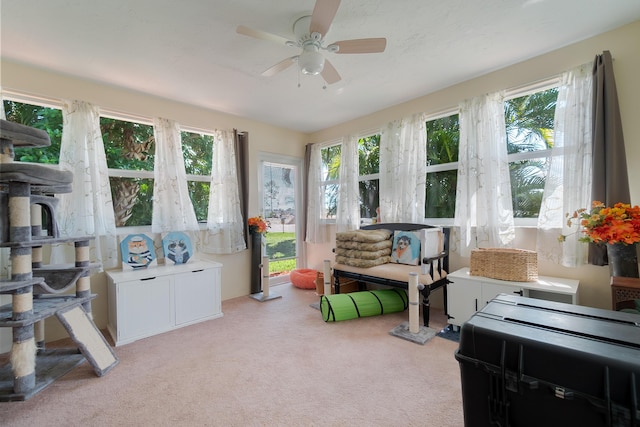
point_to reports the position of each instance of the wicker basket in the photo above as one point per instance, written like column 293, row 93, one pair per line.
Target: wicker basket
column 517, row 265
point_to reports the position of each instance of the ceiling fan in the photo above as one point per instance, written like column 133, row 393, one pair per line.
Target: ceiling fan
column 310, row 31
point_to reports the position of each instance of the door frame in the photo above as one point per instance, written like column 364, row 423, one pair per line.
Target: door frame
column 296, row 164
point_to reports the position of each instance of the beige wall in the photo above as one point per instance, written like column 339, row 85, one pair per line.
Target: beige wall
column 262, row 138
column 623, row 45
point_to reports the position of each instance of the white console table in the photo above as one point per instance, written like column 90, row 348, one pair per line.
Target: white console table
column 147, row 302
column 467, row 294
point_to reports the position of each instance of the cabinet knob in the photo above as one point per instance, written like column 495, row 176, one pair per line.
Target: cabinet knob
column 518, row 292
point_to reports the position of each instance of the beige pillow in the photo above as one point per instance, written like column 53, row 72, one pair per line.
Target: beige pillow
column 366, row 236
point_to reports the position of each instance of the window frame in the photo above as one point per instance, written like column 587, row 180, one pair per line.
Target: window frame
column 17, row 96
column 371, row 176
column 441, row 167
column 323, row 184
column 361, row 178
column 547, row 154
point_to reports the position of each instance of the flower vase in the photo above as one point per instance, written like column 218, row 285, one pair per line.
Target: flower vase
column 623, row 260
column 256, row 260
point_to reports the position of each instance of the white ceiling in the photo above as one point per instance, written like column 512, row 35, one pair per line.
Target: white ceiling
column 189, row 50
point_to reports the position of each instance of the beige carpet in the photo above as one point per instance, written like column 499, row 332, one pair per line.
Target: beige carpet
column 273, row 363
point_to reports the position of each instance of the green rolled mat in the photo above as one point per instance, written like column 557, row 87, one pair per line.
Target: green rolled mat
column 362, row 304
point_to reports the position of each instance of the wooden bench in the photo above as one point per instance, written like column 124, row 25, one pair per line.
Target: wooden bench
column 397, row 275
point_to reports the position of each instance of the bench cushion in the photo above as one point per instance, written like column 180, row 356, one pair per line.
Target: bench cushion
column 397, row 272
column 360, row 256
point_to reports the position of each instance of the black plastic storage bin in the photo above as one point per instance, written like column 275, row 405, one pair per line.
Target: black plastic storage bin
column 529, row 362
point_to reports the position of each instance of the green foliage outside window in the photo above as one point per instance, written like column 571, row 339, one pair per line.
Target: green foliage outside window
column 529, row 127
column 197, row 152
column 128, row 146
column 45, row 118
column 528, row 123
column 368, row 164
column 443, row 140
column 330, row 158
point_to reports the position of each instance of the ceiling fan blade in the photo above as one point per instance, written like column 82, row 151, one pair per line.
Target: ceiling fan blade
column 280, row 66
column 262, row 35
column 361, row 45
column 323, row 13
column 329, row 73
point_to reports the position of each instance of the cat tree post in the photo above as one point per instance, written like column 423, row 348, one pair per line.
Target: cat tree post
column 411, row 330
column 414, row 308
column 36, row 262
column 83, row 285
column 23, row 352
column 265, row 294
column 326, row 268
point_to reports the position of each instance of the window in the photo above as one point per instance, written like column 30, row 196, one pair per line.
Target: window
column 130, row 155
column 40, row 117
column 443, row 140
column 129, row 148
column 529, row 121
column 330, row 158
column 368, row 176
column 197, row 150
column 529, row 129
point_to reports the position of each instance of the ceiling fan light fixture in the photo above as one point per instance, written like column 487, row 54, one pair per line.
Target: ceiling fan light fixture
column 311, row 61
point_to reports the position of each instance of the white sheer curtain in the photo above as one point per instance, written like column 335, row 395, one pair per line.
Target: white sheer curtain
column 317, row 229
column 5, row 261
column 403, row 160
column 2, row 113
column 348, row 215
column 483, row 196
column 225, row 225
column 172, row 208
column 88, row 209
column 568, row 184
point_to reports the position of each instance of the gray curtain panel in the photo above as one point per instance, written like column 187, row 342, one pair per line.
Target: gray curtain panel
column 241, row 146
column 610, row 179
column 305, row 190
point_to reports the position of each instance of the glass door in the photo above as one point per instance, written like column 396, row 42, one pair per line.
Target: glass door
column 280, row 185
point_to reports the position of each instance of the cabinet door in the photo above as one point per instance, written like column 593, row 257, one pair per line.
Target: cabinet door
column 492, row 290
column 144, row 307
column 197, row 295
column 463, row 300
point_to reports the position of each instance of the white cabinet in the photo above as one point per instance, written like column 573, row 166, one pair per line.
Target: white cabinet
column 143, row 308
column 467, row 294
column 147, row 302
column 196, row 298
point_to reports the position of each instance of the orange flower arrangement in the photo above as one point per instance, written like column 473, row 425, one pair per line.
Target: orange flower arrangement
column 617, row 224
column 258, row 225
